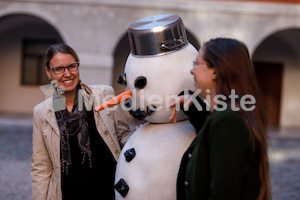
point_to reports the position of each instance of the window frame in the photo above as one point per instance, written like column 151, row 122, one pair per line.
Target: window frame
column 39, row 57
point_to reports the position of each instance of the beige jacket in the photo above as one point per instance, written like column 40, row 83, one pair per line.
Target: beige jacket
column 45, row 164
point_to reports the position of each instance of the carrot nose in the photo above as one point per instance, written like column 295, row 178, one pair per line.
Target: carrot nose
column 114, row 101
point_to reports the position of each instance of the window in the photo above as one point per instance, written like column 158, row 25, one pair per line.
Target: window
column 33, row 67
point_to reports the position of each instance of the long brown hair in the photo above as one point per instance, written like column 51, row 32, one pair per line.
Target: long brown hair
column 234, row 71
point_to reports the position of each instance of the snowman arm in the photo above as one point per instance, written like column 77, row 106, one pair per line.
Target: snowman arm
column 196, row 117
column 121, row 126
column 122, row 129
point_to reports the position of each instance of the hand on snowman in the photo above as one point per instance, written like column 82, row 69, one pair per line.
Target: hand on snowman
column 184, row 101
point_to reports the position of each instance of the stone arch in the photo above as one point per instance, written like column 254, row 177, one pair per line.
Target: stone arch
column 276, row 60
column 37, row 14
column 15, row 28
column 260, row 37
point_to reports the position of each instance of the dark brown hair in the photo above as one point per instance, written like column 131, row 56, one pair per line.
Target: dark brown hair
column 234, row 70
column 59, row 48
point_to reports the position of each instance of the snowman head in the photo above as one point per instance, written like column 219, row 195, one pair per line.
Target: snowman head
column 158, row 68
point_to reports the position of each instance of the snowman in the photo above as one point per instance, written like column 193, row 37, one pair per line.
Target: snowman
column 156, row 71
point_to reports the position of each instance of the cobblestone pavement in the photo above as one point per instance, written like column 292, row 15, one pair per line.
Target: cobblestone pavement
column 284, row 155
column 15, row 156
column 16, row 150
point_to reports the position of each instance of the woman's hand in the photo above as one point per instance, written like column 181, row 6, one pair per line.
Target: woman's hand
column 183, row 101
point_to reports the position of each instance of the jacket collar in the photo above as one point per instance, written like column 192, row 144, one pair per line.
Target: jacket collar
column 97, row 100
column 50, row 116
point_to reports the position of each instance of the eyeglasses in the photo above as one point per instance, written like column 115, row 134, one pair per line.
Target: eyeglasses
column 60, row 70
column 195, row 63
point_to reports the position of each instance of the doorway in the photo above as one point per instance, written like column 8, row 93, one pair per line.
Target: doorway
column 269, row 76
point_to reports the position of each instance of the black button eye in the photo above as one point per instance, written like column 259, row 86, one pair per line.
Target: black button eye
column 140, row 82
column 122, row 79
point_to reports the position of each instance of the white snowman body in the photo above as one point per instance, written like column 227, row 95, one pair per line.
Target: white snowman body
column 152, row 173
column 159, row 144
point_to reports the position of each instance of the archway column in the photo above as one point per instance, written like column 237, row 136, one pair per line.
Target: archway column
column 96, row 69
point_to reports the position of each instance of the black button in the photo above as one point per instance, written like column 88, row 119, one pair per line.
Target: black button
column 122, row 187
column 129, row 154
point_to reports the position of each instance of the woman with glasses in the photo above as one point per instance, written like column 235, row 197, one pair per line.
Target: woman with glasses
column 75, row 148
column 228, row 160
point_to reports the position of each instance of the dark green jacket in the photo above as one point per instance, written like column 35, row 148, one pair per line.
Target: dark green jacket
column 222, row 162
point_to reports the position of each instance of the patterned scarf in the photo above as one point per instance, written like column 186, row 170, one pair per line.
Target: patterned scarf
column 71, row 124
